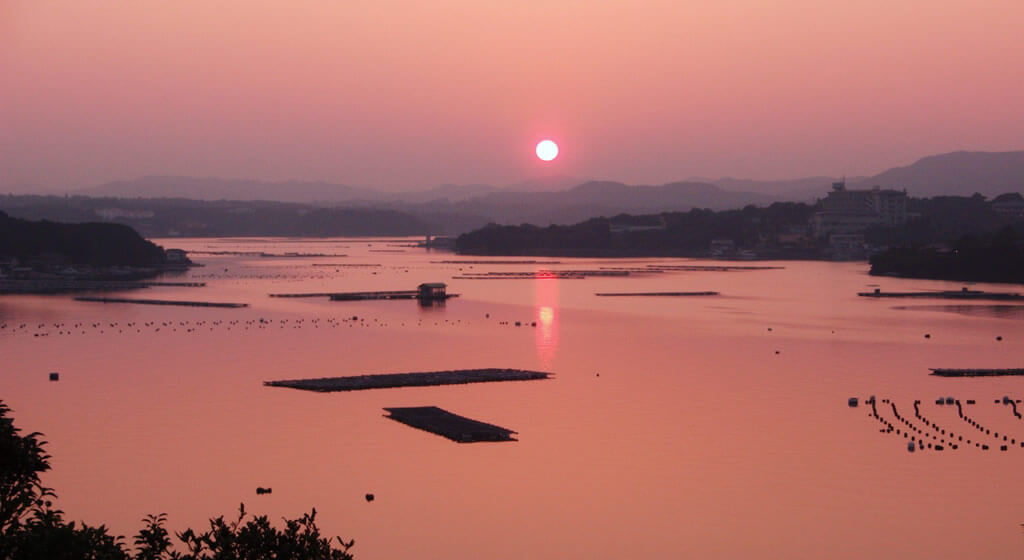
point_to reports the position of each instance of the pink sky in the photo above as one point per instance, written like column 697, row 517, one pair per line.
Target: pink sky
column 413, row 94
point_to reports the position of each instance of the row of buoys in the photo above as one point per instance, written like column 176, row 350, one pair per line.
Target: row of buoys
column 189, row 327
column 936, row 427
column 970, row 421
column 941, row 438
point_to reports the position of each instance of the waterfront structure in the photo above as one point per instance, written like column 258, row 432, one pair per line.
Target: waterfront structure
column 432, row 290
column 176, row 255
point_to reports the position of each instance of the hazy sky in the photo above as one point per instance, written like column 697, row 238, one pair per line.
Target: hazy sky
column 413, row 94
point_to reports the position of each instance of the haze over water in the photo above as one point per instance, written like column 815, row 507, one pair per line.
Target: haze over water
column 717, row 428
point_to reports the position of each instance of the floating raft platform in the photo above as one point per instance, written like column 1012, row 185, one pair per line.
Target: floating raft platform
column 304, row 295
column 452, row 426
column 712, row 268
column 391, row 380
column 949, row 294
column 399, row 294
column 976, row 372
column 496, row 262
column 161, row 302
column 658, row 294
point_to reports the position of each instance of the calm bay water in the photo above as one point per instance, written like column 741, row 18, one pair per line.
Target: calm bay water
column 716, row 428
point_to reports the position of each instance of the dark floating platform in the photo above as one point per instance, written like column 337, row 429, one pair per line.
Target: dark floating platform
column 949, row 294
column 662, row 294
column 430, row 291
column 496, row 262
column 161, row 302
column 712, row 268
column 976, row 372
column 398, row 294
column 263, row 254
column 391, row 380
column 347, row 265
column 452, row 426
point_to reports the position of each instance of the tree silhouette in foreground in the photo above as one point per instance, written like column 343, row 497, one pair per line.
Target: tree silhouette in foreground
column 30, row 528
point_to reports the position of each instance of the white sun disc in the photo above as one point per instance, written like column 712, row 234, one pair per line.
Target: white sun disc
column 547, row 150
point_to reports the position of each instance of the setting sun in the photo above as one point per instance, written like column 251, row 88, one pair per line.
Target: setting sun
column 547, row 150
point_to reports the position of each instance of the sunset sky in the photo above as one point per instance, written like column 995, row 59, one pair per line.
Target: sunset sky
column 398, row 95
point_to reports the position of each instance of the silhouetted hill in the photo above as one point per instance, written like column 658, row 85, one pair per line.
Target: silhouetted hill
column 203, row 218
column 92, row 244
column 604, row 198
column 563, row 199
column 546, row 183
column 804, row 189
column 206, row 188
column 956, row 174
column 952, row 174
column 995, row 257
column 676, row 234
column 447, row 192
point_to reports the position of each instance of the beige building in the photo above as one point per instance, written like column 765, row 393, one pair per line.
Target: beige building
column 852, row 211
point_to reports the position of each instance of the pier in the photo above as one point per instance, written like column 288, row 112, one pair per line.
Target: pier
column 948, row 294
column 452, row 426
column 656, row 294
column 393, row 380
column 976, row 372
column 161, row 302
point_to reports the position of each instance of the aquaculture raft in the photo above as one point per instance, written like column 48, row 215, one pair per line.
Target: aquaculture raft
column 452, row 426
column 161, row 302
column 664, row 294
column 976, row 372
column 949, row 294
column 391, row 380
column 398, row 294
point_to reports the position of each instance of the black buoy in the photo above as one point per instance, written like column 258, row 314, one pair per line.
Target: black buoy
column 926, row 335
column 54, row 376
column 369, row 497
column 261, row 490
column 999, row 338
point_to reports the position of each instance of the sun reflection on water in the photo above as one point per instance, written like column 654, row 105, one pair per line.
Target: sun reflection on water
column 546, row 290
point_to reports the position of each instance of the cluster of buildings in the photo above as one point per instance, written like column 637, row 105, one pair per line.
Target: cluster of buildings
column 835, row 230
column 844, row 215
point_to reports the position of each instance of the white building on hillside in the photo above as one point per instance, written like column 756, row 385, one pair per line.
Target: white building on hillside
column 852, row 211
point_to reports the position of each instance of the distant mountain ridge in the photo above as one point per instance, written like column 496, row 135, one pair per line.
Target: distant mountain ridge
column 956, row 174
column 563, row 199
column 212, row 188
